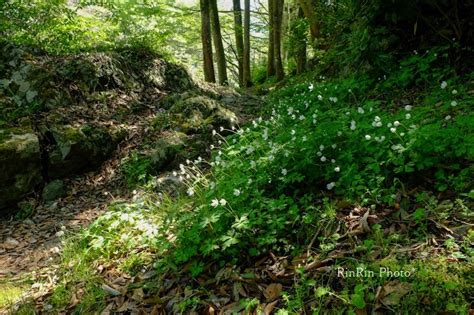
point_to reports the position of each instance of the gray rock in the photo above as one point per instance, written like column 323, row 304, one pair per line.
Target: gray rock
column 80, row 149
column 20, row 165
column 53, row 190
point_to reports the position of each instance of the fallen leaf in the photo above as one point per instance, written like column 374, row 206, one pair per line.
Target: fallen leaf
column 273, row 291
column 393, row 291
column 269, row 307
column 110, row 290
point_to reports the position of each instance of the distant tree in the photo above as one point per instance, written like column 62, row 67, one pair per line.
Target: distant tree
column 271, row 41
column 206, row 39
column 277, row 19
column 299, row 31
column 239, row 41
column 309, row 10
column 247, row 80
column 218, row 45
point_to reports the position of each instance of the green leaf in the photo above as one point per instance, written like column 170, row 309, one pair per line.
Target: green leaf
column 30, row 95
column 321, row 291
column 358, row 300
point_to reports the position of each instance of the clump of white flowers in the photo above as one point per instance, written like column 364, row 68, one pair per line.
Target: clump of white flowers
column 353, row 125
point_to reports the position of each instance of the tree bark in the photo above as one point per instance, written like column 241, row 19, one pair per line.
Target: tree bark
column 300, row 36
column 218, row 45
column 309, row 11
column 271, row 42
column 239, row 42
column 208, row 64
column 278, row 15
column 247, row 77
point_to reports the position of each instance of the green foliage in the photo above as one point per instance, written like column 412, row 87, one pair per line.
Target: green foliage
column 333, row 138
column 137, row 169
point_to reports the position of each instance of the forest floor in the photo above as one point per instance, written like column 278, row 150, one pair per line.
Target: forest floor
column 31, row 247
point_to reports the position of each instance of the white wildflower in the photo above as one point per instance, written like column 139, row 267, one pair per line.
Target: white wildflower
column 408, row 107
column 447, row 117
column 330, row 185
column 396, row 123
column 337, row 169
column 323, row 159
column 444, row 84
column 320, row 97
column 222, row 202
column 190, row 191
column 393, row 130
column 236, row 192
column 311, row 87
column 407, row 116
column 284, row 172
column 214, row 203
column 360, row 110
column 454, row 92
column 367, row 137
column 454, row 103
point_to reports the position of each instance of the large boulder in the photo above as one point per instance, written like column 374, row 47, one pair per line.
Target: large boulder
column 193, row 113
column 79, row 149
column 20, row 164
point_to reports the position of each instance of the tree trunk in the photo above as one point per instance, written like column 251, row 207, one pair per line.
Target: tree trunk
column 278, row 15
column 208, row 64
column 218, row 45
column 239, row 42
column 300, row 36
column 271, row 43
column 247, row 77
column 309, row 11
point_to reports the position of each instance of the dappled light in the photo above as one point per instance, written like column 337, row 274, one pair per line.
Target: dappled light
column 236, row 157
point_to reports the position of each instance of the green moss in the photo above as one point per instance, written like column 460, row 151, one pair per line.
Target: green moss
column 10, row 293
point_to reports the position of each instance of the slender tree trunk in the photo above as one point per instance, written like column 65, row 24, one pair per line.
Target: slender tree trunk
column 271, row 42
column 300, row 36
column 278, row 10
column 246, row 62
column 209, row 75
column 218, row 45
column 239, row 42
column 309, row 11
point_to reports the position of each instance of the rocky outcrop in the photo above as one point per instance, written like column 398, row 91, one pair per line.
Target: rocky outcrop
column 20, row 165
column 78, row 149
column 71, row 150
column 193, row 113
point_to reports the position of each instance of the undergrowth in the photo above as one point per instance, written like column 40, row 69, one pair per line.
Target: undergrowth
column 365, row 173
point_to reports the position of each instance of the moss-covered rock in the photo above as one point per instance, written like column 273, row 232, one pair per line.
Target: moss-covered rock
column 197, row 112
column 20, row 165
column 53, row 190
column 79, row 149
